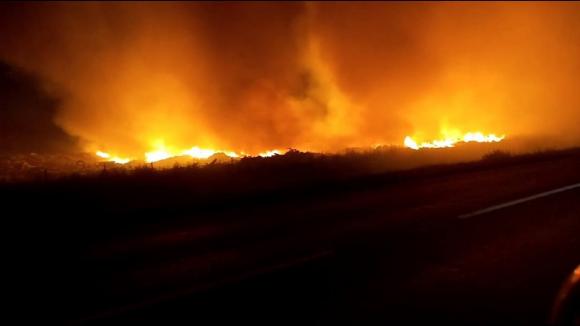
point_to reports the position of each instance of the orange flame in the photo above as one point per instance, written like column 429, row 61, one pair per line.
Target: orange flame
column 162, row 153
column 111, row 158
column 478, row 137
column 270, row 153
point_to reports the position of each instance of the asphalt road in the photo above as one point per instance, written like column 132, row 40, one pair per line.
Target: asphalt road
column 498, row 268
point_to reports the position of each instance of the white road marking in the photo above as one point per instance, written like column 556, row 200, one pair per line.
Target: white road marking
column 519, row 201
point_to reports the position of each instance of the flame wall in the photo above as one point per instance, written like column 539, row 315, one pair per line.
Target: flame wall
column 316, row 76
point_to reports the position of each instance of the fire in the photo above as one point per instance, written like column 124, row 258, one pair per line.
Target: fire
column 103, row 154
column 194, row 152
column 162, row 153
column 270, row 153
column 111, row 158
column 157, row 155
column 451, row 141
column 197, row 152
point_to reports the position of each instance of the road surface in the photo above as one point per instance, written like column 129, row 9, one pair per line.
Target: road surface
column 499, row 268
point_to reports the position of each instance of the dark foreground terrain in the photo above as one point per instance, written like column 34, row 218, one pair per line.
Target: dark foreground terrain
column 387, row 248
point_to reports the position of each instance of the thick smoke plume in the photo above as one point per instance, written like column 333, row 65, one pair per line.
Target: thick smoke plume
column 249, row 77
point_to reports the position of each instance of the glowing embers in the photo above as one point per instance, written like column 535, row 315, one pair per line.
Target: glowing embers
column 478, row 137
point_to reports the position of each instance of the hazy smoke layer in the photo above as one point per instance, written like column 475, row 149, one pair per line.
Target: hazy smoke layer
column 315, row 76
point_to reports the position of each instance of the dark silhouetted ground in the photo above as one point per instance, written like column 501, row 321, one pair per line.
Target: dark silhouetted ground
column 296, row 239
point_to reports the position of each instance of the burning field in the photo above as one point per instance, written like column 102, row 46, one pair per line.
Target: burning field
column 391, row 160
column 126, row 82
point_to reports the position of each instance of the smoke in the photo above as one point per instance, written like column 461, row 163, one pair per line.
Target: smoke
column 26, row 114
column 316, row 76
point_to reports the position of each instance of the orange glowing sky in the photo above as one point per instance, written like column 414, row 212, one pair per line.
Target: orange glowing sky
column 136, row 78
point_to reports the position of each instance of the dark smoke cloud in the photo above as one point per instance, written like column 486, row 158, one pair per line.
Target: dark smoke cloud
column 26, row 116
column 319, row 76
